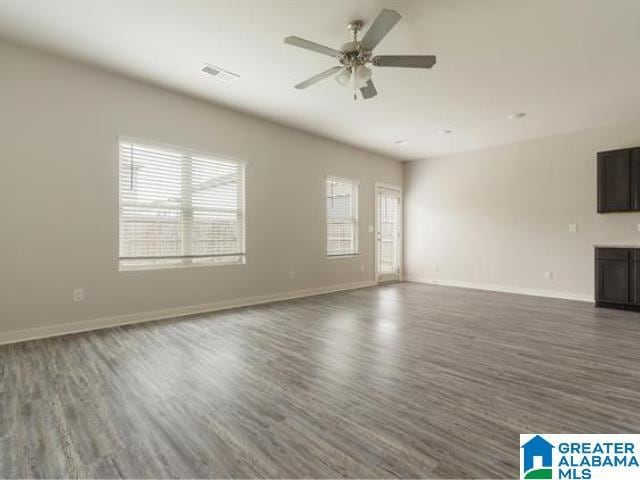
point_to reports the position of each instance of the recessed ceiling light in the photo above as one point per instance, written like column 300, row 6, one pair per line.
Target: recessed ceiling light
column 446, row 132
column 517, row 116
column 401, row 143
column 220, row 73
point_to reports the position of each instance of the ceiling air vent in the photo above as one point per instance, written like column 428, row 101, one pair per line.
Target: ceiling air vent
column 220, row 73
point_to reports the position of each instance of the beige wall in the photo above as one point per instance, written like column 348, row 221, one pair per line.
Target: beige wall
column 500, row 217
column 59, row 126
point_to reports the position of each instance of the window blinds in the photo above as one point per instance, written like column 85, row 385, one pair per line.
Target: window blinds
column 178, row 208
column 342, row 217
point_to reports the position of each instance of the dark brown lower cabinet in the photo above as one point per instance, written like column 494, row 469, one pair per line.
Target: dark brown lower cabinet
column 635, row 278
column 618, row 278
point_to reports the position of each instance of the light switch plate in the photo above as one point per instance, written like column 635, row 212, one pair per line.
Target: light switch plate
column 639, row 227
column 573, row 227
column 371, row 228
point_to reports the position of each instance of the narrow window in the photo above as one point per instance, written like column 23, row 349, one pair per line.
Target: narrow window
column 342, row 217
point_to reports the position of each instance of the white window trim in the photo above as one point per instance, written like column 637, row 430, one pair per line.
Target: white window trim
column 356, row 208
column 125, row 265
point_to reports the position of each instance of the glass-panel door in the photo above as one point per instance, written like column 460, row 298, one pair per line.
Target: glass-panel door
column 388, row 234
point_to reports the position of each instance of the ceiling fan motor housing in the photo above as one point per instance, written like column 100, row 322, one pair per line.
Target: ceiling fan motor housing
column 353, row 55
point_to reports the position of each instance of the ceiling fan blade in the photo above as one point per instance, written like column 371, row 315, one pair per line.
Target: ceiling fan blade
column 369, row 90
column 406, row 61
column 316, row 47
column 316, row 78
column 379, row 28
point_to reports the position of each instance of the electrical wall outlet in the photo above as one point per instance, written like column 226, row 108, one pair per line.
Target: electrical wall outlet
column 78, row 295
column 548, row 275
column 292, row 274
column 573, row 227
column 639, row 227
column 436, row 267
column 362, row 268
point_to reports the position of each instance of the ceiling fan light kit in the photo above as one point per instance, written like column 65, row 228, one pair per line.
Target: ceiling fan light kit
column 354, row 56
column 360, row 75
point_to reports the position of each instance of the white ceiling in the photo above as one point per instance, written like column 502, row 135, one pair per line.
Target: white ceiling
column 570, row 64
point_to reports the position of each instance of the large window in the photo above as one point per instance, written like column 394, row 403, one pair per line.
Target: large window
column 342, row 217
column 179, row 208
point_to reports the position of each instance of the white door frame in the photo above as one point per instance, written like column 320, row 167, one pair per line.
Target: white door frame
column 379, row 186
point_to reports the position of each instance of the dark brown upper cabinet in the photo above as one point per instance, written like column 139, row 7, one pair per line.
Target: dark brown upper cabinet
column 619, row 180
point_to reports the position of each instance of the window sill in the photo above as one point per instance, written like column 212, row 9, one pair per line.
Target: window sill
column 127, row 266
column 337, row 257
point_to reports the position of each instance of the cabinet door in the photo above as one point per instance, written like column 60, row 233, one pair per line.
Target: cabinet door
column 614, row 181
column 612, row 281
column 634, row 276
column 635, row 179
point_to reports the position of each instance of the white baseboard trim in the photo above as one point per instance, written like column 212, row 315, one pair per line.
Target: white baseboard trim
column 502, row 288
column 117, row 320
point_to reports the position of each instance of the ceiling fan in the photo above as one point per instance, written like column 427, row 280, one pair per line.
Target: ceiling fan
column 355, row 55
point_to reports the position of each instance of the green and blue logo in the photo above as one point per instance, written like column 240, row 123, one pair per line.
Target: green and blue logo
column 554, row 456
column 537, row 459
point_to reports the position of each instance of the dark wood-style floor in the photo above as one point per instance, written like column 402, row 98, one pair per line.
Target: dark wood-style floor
column 402, row 380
